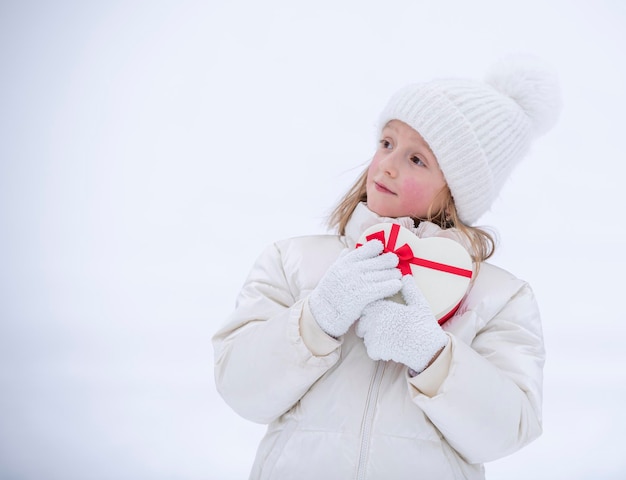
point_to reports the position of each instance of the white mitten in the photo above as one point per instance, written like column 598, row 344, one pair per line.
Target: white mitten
column 407, row 334
column 357, row 278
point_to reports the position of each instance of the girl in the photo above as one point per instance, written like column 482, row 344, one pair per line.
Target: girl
column 356, row 386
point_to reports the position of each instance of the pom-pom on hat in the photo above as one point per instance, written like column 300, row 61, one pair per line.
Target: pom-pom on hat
column 477, row 130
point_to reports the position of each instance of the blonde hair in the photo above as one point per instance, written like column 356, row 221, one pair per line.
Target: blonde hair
column 482, row 243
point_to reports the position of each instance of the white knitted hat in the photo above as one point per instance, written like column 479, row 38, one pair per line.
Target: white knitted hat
column 479, row 131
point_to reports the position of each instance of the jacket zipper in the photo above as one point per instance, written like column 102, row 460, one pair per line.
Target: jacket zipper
column 368, row 418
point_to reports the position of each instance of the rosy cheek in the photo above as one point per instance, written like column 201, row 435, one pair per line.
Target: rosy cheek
column 411, row 191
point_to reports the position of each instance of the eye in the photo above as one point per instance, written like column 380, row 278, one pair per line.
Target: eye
column 385, row 144
column 418, row 161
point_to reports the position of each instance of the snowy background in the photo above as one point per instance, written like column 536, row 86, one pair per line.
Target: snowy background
column 150, row 150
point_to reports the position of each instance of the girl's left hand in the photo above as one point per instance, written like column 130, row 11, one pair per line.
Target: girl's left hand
column 407, row 334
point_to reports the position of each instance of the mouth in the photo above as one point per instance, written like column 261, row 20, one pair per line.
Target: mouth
column 381, row 188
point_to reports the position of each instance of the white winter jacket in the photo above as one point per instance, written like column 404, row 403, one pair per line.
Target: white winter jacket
column 334, row 413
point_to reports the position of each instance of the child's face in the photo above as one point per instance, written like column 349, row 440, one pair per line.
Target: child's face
column 404, row 177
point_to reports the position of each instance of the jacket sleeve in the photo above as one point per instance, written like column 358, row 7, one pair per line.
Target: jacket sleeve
column 489, row 405
column 262, row 365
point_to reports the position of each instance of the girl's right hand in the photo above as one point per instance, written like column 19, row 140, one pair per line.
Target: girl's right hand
column 355, row 280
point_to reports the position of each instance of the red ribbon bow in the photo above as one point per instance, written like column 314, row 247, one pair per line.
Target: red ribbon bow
column 404, row 253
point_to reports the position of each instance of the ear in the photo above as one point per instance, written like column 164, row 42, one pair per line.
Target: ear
column 450, row 218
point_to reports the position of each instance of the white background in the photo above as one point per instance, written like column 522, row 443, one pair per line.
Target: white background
column 150, row 150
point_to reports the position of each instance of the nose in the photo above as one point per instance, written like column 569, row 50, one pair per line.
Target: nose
column 389, row 164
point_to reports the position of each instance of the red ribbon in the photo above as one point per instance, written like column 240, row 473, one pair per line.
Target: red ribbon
column 405, row 254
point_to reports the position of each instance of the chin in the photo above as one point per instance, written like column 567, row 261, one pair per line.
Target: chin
column 381, row 212
column 380, row 207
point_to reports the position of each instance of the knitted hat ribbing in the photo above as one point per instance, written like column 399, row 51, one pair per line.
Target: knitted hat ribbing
column 479, row 131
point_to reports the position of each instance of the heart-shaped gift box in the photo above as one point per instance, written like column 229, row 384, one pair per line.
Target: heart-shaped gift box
column 441, row 267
